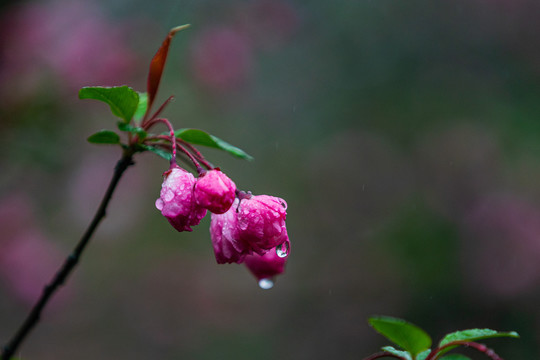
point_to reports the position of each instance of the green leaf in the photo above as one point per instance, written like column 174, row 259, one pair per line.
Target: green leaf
column 423, row 355
column 474, row 335
column 163, row 153
column 123, row 100
column 104, row 137
column 402, row 354
column 132, row 129
column 408, row 336
column 199, row 137
column 455, row 357
column 141, row 107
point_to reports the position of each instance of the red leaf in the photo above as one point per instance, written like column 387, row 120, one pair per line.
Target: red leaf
column 157, row 65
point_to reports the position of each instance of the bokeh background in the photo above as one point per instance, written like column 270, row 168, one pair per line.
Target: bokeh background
column 405, row 137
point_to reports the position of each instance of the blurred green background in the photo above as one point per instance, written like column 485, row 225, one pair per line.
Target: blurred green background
column 405, row 137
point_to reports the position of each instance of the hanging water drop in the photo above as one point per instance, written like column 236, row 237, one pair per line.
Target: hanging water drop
column 266, row 284
column 283, row 249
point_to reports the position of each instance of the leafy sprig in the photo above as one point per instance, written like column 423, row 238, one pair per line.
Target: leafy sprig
column 134, row 109
column 415, row 343
column 128, row 104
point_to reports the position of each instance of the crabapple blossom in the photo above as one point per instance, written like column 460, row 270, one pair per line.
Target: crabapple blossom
column 176, row 201
column 224, row 235
column 255, row 224
column 261, row 222
column 215, row 191
column 270, row 264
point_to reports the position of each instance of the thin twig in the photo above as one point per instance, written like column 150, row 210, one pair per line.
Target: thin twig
column 474, row 345
column 68, row 265
column 172, row 138
column 179, row 156
column 197, row 153
column 176, row 145
column 191, row 157
column 147, row 123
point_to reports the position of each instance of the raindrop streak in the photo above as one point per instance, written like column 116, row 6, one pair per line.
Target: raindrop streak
column 283, row 249
column 266, row 284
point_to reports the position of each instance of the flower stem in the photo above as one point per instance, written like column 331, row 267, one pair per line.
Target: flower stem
column 70, row 262
column 156, row 114
column 196, row 152
column 200, row 170
column 171, row 138
column 471, row 344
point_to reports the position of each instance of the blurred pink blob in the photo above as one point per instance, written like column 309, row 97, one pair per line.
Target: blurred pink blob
column 69, row 41
column 27, row 259
column 502, row 246
column 15, row 211
column 87, row 185
column 269, row 23
column 221, row 58
column 27, row 263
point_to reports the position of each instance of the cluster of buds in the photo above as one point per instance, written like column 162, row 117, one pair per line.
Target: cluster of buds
column 245, row 228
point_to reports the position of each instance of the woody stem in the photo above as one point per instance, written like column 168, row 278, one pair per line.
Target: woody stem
column 69, row 263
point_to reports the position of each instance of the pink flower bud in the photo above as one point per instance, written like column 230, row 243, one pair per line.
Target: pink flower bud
column 261, row 222
column 224, row 235
column 265, row 267
column 176, row 201
column 215, row 191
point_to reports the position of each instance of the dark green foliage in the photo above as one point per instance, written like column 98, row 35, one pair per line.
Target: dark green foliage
column 123, row 100
column 474, row 335
column 415, row 342
column 408, row 336
column 199, row 137
column 104, row 137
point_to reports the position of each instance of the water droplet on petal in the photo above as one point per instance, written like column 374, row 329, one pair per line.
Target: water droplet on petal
column 283, row 249
column 168, row 196
column 266, row 284
column 243, row 225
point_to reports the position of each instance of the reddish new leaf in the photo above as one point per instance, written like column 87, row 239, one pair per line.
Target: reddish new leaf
column 158, row 64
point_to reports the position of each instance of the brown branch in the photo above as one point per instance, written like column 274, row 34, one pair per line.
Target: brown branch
column 69, row 264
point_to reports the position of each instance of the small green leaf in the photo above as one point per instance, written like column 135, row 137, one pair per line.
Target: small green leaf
column 199, row 137
column 123, row 100
column 423, row 355
column 408, row 336
column 474, row 335
column 163, row 153
column 104, row 137
column 132, row 129
column 400, row 353
column 141, row 107
column 455, row 357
